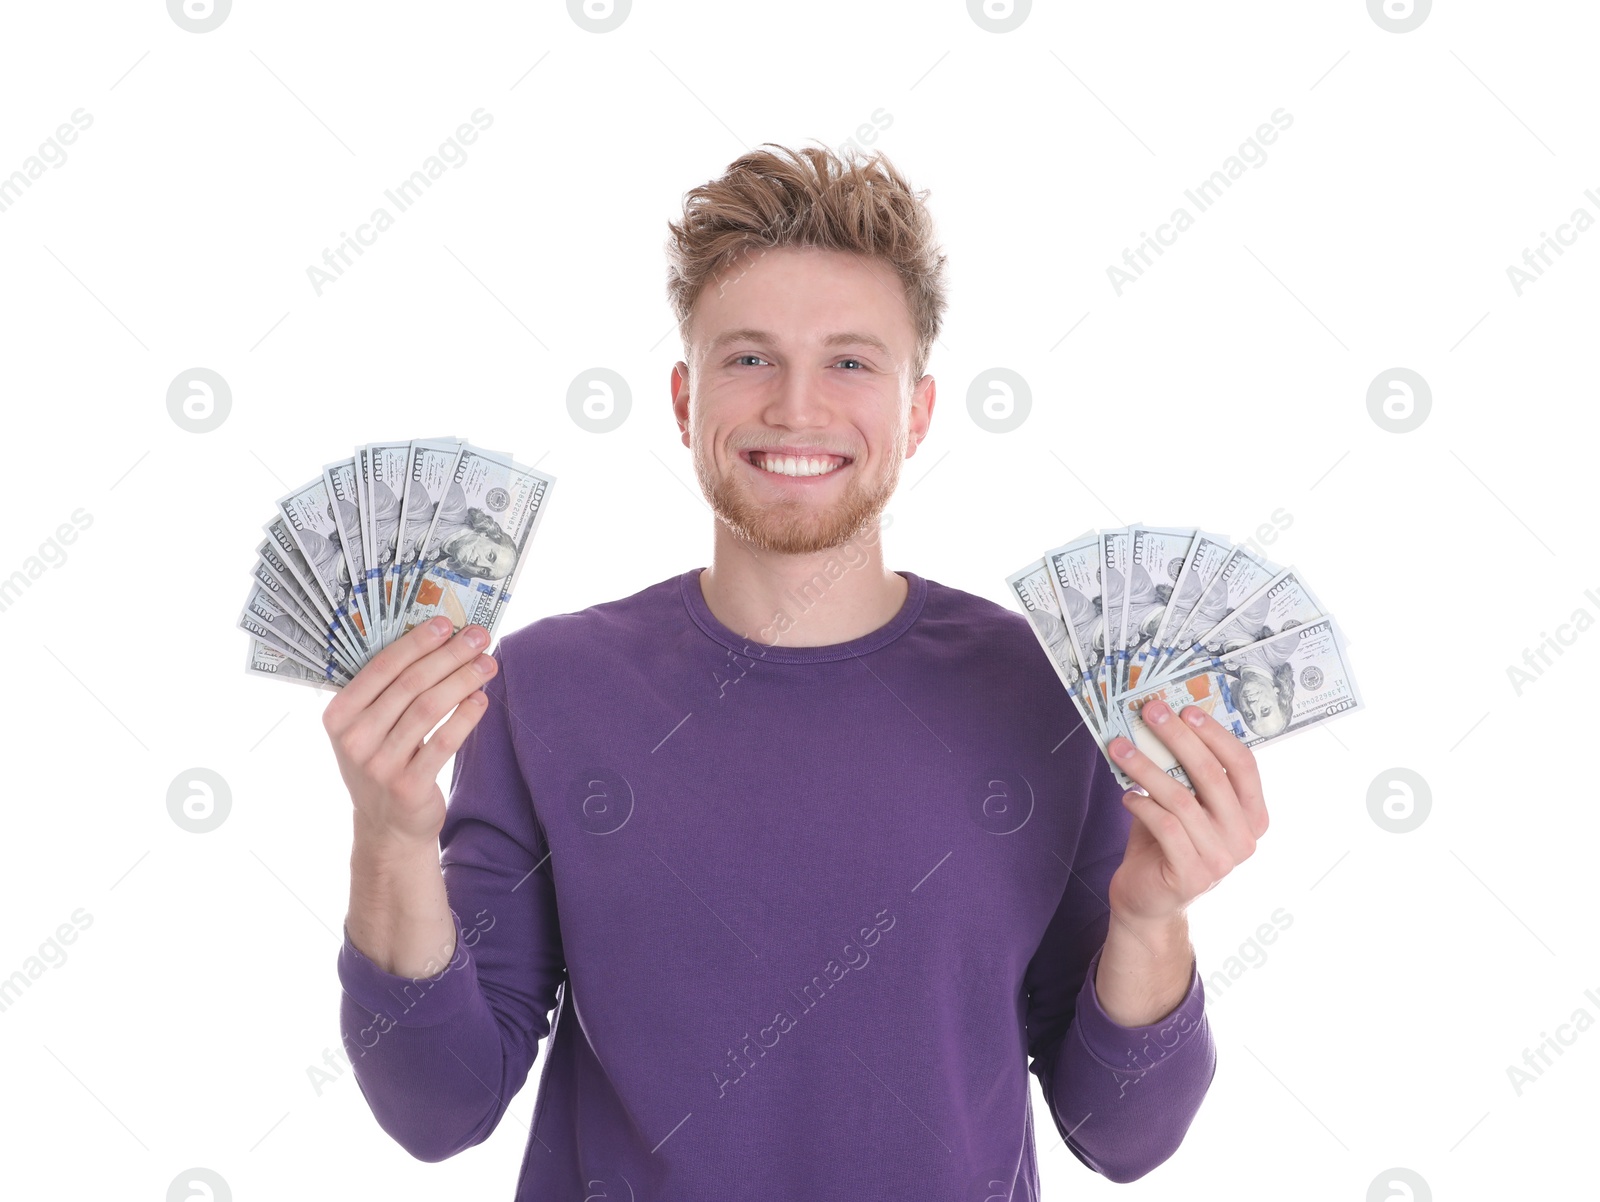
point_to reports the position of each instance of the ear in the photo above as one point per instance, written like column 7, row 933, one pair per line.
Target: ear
column 922, row 399
column 680, row 398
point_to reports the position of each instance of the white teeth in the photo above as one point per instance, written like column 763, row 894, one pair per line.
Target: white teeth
column 790, row 465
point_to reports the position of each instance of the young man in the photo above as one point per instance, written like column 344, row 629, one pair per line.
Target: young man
column 811, row 858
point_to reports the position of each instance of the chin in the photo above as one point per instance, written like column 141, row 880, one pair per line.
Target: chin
column 792, row 530
column 794, row 538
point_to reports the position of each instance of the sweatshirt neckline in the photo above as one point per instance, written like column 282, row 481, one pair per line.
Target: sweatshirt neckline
column 694, row 602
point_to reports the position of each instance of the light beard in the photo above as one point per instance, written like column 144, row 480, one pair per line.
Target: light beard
column 797, row 527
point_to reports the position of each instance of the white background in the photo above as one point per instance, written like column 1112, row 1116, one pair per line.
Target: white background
column 1226, row 385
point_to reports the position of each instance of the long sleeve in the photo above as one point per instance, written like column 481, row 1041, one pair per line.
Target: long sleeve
column 1121, row 1097
column 439, row 1059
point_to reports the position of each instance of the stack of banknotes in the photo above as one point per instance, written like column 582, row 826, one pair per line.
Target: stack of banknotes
column 381, row 542
column 1184, row 615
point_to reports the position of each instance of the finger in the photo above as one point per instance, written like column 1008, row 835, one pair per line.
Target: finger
column 1171, row 796
column 375, row 726
column 1240, row 763
column 447, row 740
column 431, row 705
column 1184, row 872
column 1206, row 773
column 375, row 676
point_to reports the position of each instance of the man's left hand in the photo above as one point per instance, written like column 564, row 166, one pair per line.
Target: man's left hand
column 1184, row 842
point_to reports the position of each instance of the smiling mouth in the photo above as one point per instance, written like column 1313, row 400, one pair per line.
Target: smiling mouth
column 796, row 466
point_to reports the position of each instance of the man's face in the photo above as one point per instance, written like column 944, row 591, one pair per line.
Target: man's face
column 807, row 352
column 1259, row 707
column 481, row 548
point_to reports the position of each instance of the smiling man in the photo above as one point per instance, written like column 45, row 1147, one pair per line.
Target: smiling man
column 813, row 860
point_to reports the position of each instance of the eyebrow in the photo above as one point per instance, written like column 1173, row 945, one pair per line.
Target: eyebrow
column 844, row 338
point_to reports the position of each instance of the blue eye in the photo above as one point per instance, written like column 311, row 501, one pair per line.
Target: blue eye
column 855, row 361
column 748, row 356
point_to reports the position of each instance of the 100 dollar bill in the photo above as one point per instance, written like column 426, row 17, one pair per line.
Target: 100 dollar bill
column 1282, row 603
column 286, row 595
column 308, row 515
column 1243, row 572
column 1037, row 597
column 265, row 620
column 1154, row 564
column 1263, row 692
column 1075, row 578
column 476, row 542
column 263, row 659
column 430, row 464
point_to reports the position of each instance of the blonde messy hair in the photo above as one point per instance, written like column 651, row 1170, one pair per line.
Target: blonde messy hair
column 809, row 198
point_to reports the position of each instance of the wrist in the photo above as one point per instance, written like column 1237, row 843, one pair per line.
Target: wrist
column 1145, row 969
column 376, row 846
column 1159, row 936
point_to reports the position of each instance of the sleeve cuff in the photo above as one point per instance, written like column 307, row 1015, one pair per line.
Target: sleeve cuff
column 1135, row 1049
column 407, row 1001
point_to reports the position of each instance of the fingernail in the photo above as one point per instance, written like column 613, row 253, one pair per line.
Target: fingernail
column 1194, row 715
column 477, row 637
column 1156, row 711
column 484, row 664
column 1121, row 748
column 440, row 625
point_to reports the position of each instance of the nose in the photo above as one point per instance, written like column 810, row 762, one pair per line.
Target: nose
column 795, row 403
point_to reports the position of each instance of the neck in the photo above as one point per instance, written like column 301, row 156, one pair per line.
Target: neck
column 815, row 600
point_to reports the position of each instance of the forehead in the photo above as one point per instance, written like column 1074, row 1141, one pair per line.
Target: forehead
column 803, row 296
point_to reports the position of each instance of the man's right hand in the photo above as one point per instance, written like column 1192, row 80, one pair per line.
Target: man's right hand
column 378, row 721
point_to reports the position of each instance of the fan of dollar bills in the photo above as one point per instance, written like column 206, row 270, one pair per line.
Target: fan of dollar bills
column 1177, row 613
column 381, row 542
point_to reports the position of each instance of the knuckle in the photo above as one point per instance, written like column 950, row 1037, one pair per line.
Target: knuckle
column 432, row 706
column 1187, row 801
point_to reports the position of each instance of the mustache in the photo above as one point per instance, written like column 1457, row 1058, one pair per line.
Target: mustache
column 775, row 446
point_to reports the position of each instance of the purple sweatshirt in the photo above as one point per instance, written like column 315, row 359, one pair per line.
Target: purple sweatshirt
column 806, row 916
